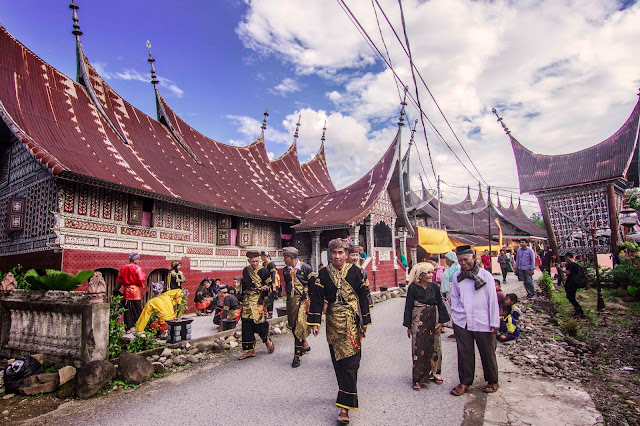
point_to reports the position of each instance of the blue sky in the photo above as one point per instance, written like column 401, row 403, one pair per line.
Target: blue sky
column 562, row 73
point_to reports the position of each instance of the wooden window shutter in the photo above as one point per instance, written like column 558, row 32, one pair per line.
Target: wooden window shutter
column 135, row 210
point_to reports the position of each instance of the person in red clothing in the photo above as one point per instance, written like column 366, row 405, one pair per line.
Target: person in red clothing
column 132, row 280
column 486, row 260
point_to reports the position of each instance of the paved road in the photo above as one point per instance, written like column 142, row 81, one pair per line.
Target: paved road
column 266, row 390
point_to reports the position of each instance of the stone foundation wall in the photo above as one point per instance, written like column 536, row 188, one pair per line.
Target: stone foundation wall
column 64, row 326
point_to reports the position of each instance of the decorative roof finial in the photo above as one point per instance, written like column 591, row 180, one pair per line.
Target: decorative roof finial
column 264, row 120
column 511, row 205
column 324, row 130
column 295, row 135
column 404, row 104
column 413, row 131
column 519, row 203
column 76, row 27
column 504, row 126
column 154, row 77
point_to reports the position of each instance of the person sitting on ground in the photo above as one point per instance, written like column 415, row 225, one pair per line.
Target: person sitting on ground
column 438, row 269
column 500, row 293
column 164, row 304
column 509, row 328
column 204, row 298
column 228, row 305
column 510, row 300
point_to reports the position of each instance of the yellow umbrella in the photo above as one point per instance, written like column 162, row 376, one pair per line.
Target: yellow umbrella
column 434, row 241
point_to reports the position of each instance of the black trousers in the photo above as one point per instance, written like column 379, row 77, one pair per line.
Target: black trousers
column 249, row 330
column 299, row 346
column 347, row 374
column 132, row 313
column 505, row 271
column 570, row 290
column 486, row 343
column 270, row 301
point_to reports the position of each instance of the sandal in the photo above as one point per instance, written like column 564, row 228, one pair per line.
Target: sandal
column 343, row 418
column 459, row 390
column 417, row 386
column 270, row 346
column 246, row 355
column 437, row 380
column 491, row 388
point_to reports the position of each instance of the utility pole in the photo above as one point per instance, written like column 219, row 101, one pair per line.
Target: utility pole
column 439, row 201
column 489, row 210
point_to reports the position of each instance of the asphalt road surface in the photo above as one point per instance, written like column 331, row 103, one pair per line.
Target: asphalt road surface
column 266, row 390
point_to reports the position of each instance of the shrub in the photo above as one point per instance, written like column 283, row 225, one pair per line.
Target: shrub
column 545, row 283
column 56, row 280
column 146, row 339
column 116, row 328
column 569, row 327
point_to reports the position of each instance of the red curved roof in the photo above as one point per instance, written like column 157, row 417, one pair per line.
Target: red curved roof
column 317, row 173
column 607, row 160
column 91, row 131
column 350, row 205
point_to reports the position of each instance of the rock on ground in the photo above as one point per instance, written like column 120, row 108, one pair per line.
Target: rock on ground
column 40, row 383
column 91, row 377
column 66, row 374
column 134, row 368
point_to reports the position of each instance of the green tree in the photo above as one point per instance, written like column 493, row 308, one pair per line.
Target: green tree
column 537, row 219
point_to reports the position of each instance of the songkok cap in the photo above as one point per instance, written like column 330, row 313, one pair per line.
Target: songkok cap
column 252, row 254
column 265, row 253
column 290, row 252
column 434, row 258
column 134, row 255
column 354, row 249
column 157, row 287
column 464, row 250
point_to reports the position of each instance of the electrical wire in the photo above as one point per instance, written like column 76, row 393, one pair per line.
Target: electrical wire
column 408, row 53
column 373, row 46
column 375, row 11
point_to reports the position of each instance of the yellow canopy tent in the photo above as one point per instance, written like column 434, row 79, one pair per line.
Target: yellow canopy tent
column 434, row 241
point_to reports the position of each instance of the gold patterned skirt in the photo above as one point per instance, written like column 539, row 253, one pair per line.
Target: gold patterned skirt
column 344, row 332
column 297, row 316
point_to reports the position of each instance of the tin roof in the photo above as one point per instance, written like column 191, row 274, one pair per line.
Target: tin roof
column 608, row 160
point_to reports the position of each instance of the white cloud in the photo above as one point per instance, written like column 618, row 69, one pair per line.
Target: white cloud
column 250, row 129
column 561, row 74
column 288, row 85
column 133, row 75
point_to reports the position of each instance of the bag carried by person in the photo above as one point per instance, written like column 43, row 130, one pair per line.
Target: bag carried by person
column 581, row 279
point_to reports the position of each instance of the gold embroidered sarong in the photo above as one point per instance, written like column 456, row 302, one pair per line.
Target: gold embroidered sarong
column 297, row 308
column 344, row 332
column 252, row 308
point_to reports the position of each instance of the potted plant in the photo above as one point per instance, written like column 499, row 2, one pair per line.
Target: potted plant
column 56, row 280
column 180, row 328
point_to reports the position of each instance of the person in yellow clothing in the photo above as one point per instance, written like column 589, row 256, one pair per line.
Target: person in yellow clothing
column 165, row 304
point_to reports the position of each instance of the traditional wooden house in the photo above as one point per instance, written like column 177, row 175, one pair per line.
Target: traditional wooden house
column 582, row 190
column 86, row 178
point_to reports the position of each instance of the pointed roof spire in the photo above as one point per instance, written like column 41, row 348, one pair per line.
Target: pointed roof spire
column 504, row 126
column 511, row 205
column 74, row 15
column 423, row 188
column 413, row 132
column 324, row 131
column 499, row 204
column 154, row 77
column 264, row 120
column 295, row 135
column 519, row 206
column 403, row 109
